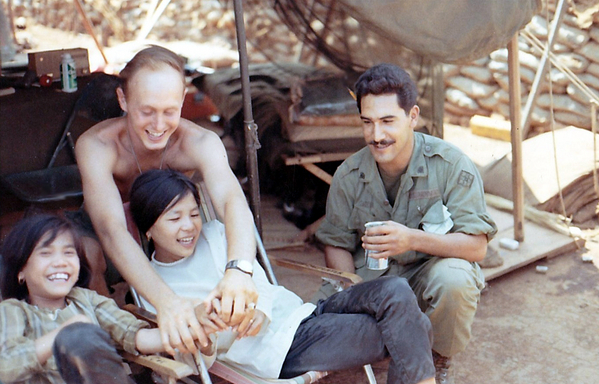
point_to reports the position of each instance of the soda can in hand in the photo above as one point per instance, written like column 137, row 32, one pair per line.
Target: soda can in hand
column 371, row 262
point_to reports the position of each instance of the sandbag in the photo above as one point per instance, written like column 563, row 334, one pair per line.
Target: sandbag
column 578, row 95
column 563, row 103
column 471, row 87
column 461, row 99
column 590, row 51
column 482, row 75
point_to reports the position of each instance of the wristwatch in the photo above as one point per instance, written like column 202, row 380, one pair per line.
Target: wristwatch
column 241, row 265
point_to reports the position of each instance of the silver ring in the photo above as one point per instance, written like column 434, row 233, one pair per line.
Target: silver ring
column 251, row 305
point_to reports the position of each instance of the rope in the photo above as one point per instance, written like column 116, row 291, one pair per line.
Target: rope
column 536, row 43
column 552, row 123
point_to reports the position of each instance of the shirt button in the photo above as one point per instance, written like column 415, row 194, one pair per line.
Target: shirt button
column 386, row 202
column 362, row 175
column 427, row 148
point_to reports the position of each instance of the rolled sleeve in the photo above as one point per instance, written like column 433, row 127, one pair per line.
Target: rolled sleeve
column 120, row 324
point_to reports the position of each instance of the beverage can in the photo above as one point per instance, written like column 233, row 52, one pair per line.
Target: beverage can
column 68, row 73
column 371, row 262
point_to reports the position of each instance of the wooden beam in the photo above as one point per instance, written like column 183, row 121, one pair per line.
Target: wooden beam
column 516, row 135
column 320, row 158
column 162, row 365
column 318, row 172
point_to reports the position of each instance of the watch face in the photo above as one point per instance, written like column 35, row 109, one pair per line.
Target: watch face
column 242, row 265
column 245, row 266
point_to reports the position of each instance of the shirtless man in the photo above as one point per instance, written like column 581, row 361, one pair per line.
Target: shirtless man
column 152, row 135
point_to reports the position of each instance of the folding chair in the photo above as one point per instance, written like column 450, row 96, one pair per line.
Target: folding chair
column 97, row 102
column 224, row 370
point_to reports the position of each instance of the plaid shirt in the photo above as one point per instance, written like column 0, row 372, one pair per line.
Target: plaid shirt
column 21, row 324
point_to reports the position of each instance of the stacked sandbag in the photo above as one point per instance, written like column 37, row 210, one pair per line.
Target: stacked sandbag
column 482, row 87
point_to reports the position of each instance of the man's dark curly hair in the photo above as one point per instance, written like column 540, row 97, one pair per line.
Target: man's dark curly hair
column 384, row 79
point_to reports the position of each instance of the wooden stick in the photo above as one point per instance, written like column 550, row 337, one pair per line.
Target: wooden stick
column 88, row 26
column 516, row 135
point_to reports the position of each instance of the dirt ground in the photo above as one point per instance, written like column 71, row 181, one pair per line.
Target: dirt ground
column 529, row 328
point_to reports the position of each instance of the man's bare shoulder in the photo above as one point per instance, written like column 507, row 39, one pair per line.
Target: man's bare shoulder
column 102, row 141
column 105, row 133
column 192, row 135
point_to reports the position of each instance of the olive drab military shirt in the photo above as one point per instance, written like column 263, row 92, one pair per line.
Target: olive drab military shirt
column 438, row 175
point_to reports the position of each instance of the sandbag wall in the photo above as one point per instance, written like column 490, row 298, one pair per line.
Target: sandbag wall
column 482, row 87
column 118, row 21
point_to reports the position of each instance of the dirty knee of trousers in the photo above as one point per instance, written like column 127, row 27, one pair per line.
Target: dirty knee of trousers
column 80, row 339
column 84, row 353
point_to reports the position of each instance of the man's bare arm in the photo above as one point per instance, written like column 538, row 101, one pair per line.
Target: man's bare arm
column 339, row 259
column 105, row 207
column 236, row 289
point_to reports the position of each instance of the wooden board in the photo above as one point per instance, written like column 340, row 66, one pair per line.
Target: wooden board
column 539, row 242
column 297, row 133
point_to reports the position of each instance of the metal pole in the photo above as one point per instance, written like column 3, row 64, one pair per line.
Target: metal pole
column 539, row 76
column 250, row 128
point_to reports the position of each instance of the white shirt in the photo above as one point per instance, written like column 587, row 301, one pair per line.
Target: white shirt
column 196, row 276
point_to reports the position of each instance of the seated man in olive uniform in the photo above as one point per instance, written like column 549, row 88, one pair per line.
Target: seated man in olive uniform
column 429, row 197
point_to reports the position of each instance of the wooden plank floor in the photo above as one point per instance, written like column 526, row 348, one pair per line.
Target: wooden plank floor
column 539, row 242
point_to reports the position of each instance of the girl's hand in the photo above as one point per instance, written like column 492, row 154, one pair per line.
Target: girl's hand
column 252, row 327
column 210, row 321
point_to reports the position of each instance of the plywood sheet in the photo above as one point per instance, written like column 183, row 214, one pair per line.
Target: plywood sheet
column 539, row 242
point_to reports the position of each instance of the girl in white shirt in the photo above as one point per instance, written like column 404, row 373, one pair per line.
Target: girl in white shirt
column 285, row 337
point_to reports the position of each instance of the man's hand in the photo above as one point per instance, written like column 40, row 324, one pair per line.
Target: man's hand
column 388, row 240
column 178, row 325
column 237, row 295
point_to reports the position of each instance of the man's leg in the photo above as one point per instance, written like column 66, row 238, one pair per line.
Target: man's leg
column 448, row 291
column 362, row 325
column 85, row 354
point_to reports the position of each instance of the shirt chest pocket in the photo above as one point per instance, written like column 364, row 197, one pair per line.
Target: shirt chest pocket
column 364, row 210
column 436, row 219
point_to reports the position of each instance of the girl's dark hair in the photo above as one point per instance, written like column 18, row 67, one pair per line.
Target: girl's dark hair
column 155, row 191
column 384, row 79
column 20, row 243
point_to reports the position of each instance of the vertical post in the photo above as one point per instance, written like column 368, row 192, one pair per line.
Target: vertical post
column 516, row 137
column 437, row 97
column 250, row 128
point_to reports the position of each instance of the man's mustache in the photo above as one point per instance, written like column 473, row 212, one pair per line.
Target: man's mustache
column 384, row 142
